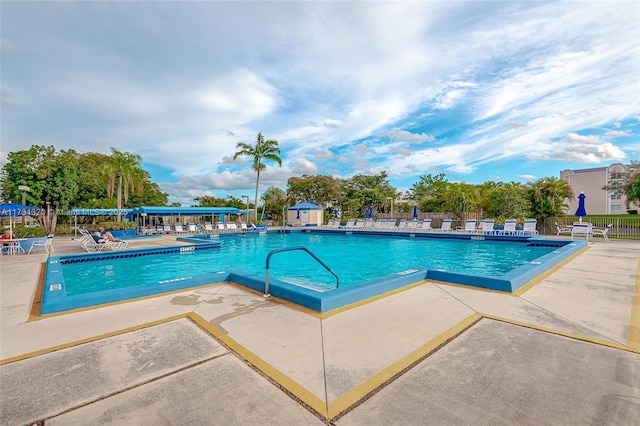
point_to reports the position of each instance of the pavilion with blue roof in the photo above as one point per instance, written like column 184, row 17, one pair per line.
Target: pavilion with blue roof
column 305, row 214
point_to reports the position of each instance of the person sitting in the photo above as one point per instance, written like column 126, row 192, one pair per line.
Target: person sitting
column 108, row 236
column 97, row 237
column 7, row 245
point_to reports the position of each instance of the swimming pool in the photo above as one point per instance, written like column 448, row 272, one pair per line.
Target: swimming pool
column 375, row 261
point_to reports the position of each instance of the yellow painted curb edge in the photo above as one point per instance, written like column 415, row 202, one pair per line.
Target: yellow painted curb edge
column 356, row 394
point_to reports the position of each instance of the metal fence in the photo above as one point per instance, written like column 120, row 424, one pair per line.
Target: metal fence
column 622, row 227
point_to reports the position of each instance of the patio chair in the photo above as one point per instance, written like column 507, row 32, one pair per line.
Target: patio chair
column 603, row 232
column 561, row 230
column 178, row 228
column 530, row 227
column 582, row 230
column 486, row 226
column 446, row 225
column 509, row 227
column 470, row 226
column 426, row 225
column 43, row 243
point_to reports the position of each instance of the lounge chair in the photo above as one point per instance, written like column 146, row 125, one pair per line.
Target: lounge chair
column 166, row 229
column 486, row 226
column 426, row 225
column 402, row 224
column 178, row 228
column 359, row 224
column 350, row 224
column 412, row 224
column 232, row 225
column 208, row 228
column 220, row 226
column 561, row 230
column 603, row 232
column 509, row 227
column 529, row 227
column 470, row 226
column 192, row 228
column 582, row 230
column 43, row 243
column 446, row 225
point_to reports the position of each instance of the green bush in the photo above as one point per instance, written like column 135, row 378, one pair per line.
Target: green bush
column 24, row 232
column 116, row 226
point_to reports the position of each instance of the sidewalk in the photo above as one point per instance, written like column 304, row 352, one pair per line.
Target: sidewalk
column 564, row 352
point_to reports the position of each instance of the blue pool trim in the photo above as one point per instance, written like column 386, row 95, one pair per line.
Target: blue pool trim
column 55, row 298
column 320, row 301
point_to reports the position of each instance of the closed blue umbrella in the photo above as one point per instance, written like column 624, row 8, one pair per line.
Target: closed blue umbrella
column 415, row 212
column 298, row 214
column 335, row 213
column 581, row 212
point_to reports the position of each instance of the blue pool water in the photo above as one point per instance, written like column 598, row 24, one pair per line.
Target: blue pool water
column 354, row 258
column 367, row 263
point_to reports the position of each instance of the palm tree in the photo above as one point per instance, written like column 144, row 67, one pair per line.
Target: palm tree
column 263, row 150
column 547, row 196
column 123, row 165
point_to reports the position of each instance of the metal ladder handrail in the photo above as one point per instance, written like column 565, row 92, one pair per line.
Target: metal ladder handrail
column 272, row 252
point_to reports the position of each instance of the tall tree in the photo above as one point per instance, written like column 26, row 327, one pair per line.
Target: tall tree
column 123, row 166
column 264, row 149
column 53, row 179
column 546, row 197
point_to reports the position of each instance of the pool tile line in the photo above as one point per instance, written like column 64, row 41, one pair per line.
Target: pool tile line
column 324, row 315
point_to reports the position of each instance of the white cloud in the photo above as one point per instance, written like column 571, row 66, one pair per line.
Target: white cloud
column 416, row 138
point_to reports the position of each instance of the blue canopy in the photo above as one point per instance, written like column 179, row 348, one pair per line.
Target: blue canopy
column 305, row 205
column 187, row 211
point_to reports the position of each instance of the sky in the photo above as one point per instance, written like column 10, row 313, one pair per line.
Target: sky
column 480, row 90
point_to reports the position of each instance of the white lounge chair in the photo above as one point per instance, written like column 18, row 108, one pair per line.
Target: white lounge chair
column 486, row 226
column 43, row 243
column 509, row 227
column 603, row 232
column 446, row 225
column 412, row 224
column 426, row 225
column 192, row 228
column 178, row 228
column 470, row 226
column 529, row 227
column 561, row 230
column 402, row 224
column 350, row 224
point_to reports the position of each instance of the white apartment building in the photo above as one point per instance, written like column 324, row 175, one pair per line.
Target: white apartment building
column 591, row 182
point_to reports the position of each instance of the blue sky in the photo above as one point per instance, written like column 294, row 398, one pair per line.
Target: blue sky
column 503, row 91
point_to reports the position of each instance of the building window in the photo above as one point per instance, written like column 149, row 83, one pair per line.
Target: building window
column 616, row 208
column 616, row 196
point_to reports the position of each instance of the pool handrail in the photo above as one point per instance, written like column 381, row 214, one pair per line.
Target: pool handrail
column 272, row 252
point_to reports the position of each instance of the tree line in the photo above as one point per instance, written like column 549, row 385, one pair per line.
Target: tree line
column 61, row 180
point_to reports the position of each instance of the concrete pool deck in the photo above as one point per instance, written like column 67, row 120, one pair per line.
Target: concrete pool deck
column 565, row 351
